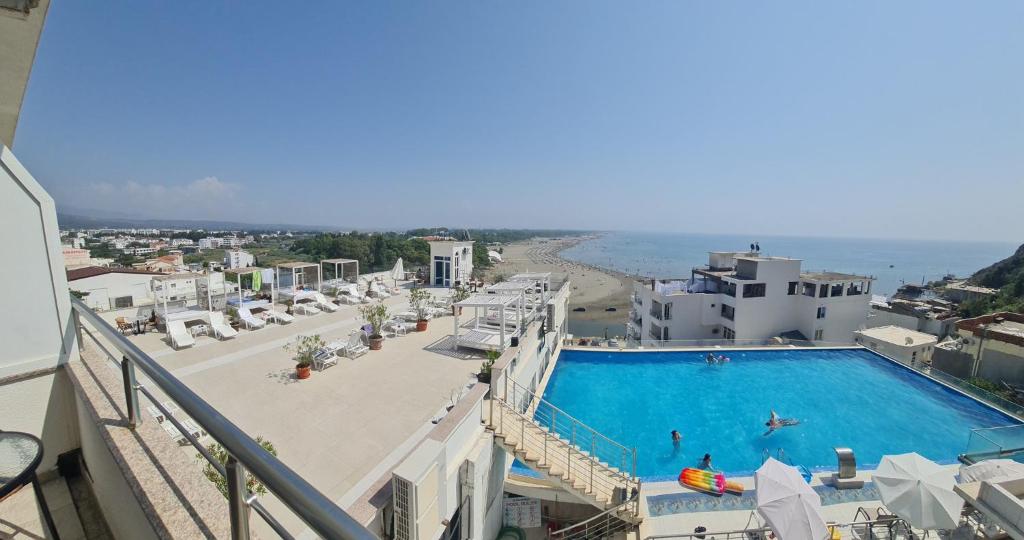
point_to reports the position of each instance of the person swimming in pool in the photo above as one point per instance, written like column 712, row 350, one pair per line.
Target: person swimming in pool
column 710, row 359
column 706, row 463
column 775, row 422
column 676, row 437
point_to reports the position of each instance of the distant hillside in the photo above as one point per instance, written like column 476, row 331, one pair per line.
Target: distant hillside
column 1003, row 272
column 72, row 221
column 1006, row 275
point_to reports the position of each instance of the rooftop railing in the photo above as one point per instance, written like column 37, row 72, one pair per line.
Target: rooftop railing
column 244, row 454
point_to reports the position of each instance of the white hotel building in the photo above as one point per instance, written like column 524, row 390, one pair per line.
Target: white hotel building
column 749, row 296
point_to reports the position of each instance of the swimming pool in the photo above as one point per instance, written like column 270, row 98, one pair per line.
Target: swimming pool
column 842, row 397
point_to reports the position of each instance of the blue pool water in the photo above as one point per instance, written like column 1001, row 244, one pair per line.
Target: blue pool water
column 847, row 397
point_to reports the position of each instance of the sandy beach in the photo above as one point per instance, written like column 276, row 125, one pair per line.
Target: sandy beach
column 592, row 289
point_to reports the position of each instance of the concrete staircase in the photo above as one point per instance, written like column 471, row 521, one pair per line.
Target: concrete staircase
column 566, row 452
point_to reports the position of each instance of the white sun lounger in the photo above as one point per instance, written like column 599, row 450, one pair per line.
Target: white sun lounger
column 251, row 321
column 221, row 329
column 305, row 309
column 355, row 346
column 179, row 335
column 279, row 317
column 323, row 303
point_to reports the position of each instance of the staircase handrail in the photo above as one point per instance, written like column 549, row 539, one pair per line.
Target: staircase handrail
column 536, row 400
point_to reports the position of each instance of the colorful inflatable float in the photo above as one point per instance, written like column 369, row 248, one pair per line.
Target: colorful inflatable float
column 710, row 482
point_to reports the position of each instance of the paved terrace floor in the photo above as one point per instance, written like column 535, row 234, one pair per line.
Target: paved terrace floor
column 341, row 428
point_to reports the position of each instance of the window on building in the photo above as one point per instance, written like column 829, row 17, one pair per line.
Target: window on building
column 837, row 289
column 821, row 312
column 728, row 312
column 728, row 333
column 730, row 289
column 753, row 290
column 793, row 287
column 809, row 289
column 823, row 291
column 668, row 311
column 818, row 334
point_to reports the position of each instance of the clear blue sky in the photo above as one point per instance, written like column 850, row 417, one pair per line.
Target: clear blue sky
column 853, row 118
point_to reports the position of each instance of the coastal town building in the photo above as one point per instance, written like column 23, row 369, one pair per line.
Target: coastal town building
column 75, row 257
column 104, row 288
column 237, row 258
column 749, row 296
column 962, row 291
column 451, row 261
column 990, row 347
column 934, row 316
column 908, row 346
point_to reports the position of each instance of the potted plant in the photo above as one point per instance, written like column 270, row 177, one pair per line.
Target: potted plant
column 304, row 347
column 233, row 316
column 485, row 369
column 459, row 293
column 220, row 454
column 419, row 299
column 376, row 315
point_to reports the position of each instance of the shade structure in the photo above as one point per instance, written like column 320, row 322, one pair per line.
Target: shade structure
column 398, row 272
column 991, row 470
column 919, row 491
column 790, row 507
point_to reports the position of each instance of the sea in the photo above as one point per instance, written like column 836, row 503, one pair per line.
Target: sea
column 892, row 262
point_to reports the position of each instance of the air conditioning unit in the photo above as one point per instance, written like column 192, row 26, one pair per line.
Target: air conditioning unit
column 417, row 486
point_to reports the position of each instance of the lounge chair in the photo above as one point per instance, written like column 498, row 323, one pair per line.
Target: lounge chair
column 179, row 335
column 279, row 317
column 327, row 356
column 355, row 345
column 306, row 308
column 221, row 329
column 251, row 321
column 323, row 303
column 124, row 326
column 378, row 291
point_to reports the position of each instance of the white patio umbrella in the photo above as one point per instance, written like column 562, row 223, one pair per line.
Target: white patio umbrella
column 991, row 469
column 398, row 272
column 790, row 507
column 919, row 491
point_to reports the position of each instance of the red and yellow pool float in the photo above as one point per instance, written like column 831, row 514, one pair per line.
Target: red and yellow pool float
column 708, row 481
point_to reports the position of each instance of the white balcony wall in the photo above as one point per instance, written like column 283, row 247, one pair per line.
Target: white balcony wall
column 35, row 326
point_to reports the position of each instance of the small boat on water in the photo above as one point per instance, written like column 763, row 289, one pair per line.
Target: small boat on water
column 579, row 309
column 610, row 309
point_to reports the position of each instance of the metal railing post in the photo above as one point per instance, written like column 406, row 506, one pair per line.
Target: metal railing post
column 77, row 321
column 634, row 462
column 592, row 459
column 131, row 392
column 238, row 506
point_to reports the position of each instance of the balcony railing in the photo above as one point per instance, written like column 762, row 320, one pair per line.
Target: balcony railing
column 244, row 454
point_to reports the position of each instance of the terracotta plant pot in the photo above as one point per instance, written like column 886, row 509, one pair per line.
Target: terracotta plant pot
column 302, row 372
column 376, row 342
column 421, row 326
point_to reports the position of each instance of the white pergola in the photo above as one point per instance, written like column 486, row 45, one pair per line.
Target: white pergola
column 297, row 269
column 339, row 269
column 488, row 339
column 541, row 280
column 239, row 273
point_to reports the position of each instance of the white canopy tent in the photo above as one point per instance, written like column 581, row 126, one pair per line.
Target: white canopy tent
column 298, row 279
column 255, row 274
column 919, row 491
column 483, row 338
column 339, row 271
column 541, row 282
